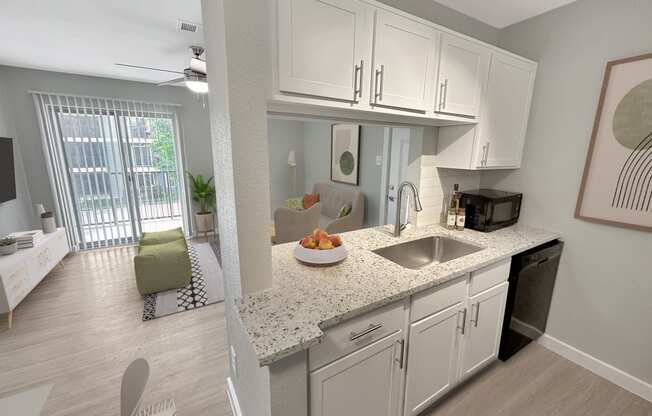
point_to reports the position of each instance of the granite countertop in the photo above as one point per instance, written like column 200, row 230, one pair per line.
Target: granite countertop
column 303, row 301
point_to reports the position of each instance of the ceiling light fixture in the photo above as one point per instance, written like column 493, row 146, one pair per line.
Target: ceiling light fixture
column 198, row 85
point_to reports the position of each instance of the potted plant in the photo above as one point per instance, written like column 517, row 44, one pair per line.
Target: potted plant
column 203, row 192
column 8, row 245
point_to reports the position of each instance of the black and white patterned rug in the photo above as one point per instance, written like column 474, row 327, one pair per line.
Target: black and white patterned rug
column 205, row 286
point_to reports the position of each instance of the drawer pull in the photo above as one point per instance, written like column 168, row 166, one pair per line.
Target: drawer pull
column 369, row 330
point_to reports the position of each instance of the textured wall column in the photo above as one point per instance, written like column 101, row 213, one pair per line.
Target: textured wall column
column 239, row 74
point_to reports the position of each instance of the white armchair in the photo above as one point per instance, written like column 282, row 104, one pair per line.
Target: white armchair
column 293, row 225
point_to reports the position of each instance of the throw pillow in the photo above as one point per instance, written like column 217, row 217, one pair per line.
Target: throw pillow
column 344, row 211
column 310, row 200
column 294, row 203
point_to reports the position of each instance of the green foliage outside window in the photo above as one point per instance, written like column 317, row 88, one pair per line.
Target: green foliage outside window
column 163, row 145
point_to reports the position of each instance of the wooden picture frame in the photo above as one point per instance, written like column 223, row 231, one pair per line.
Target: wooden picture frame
column 345, row 153
column 617, row 127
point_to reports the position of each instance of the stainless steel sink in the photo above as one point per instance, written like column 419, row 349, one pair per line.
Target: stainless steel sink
column 425, row 251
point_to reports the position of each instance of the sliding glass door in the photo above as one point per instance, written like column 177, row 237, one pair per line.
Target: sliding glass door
column 98, row 184
column 152, row 171
column 120, row 168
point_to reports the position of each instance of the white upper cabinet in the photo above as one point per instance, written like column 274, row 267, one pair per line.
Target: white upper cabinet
column 463, row 72
column 360, row 59
column 404, row 58
column 325, row 48
column 507, row 108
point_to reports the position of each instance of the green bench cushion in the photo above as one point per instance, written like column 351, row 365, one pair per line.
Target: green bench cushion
column 161, row 267
column 161, row 237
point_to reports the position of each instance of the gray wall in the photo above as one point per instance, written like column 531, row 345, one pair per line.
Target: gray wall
column 317, row 151
column 447, row 17
column 18, row 214
column 602, row 303
column 19, row 81
column 284, row 135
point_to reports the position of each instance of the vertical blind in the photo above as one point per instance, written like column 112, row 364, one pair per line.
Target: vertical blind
column 114, row 166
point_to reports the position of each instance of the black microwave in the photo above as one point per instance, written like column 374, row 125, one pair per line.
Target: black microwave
column 488, row 209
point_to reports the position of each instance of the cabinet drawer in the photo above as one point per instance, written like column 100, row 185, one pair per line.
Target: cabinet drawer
column 490, row 276
column 437, row 299
column 350, row 336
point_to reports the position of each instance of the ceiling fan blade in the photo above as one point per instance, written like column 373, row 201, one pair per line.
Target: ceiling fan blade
column 198, row 65
column 172, row 82
column 149, row 68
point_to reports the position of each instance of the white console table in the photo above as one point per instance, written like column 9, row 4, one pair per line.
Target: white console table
column 22, row 271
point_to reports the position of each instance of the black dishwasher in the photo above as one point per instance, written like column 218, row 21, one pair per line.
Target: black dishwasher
column 531, row 283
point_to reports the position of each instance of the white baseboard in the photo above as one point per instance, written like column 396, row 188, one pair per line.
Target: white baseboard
column 596, row 366
column 233, row 398
column 524, row 328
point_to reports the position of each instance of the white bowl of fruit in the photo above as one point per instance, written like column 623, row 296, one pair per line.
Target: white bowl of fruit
column 320, row 248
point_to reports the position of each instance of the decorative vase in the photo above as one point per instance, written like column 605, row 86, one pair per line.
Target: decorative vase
column 204, row 222
column 7, row 250
column 47, row 223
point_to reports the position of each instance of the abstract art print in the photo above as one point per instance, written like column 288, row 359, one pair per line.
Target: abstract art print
column 345, row 152
column 617, row 183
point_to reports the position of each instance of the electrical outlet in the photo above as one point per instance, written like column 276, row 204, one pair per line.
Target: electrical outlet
column 234, row 361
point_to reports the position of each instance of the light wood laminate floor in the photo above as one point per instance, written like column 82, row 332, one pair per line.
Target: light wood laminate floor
column 538, row 382
column 80, row 328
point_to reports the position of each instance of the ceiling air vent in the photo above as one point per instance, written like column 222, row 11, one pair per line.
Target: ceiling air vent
column 186, row 26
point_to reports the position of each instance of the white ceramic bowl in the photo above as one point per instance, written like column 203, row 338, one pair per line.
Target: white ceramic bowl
column 320, row 257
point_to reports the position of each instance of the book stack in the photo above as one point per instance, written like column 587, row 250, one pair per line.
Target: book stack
column 27, row 239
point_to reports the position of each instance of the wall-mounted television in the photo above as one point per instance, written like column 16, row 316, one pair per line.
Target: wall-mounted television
column 7, row 172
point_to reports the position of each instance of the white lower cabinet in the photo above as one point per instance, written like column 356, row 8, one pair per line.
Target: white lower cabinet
column 483, row 329
column 433, row 350
column 366, row 367
column 366, row 382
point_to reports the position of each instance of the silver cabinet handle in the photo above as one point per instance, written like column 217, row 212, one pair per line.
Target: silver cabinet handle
column 357, row 81
column 463, row 312
column 401, row 357
column 486, row 153
column 444, row 94
column 369, row 330
column 477, row 314
column 441, row 97
column 378, row 84
column 484, row 150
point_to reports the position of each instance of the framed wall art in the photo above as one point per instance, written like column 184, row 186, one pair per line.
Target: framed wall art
column 617, row 182
column 345, row 153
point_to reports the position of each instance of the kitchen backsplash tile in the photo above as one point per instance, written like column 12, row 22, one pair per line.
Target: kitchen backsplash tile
column 435, row 186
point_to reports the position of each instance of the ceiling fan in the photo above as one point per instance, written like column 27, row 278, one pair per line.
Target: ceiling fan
column 194, row 77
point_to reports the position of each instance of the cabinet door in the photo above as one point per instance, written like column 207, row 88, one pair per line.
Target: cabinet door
column 324, row 47
column 364, row 383
column 507, row 108
column 404, row 52
column 483, row 329
column 462, row 76
column 433, row 350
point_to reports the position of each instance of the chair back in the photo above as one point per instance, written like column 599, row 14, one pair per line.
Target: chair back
column 133, row 385
column 292, row 225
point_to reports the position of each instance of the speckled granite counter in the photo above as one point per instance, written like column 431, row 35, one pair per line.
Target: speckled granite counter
column 303, row 301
